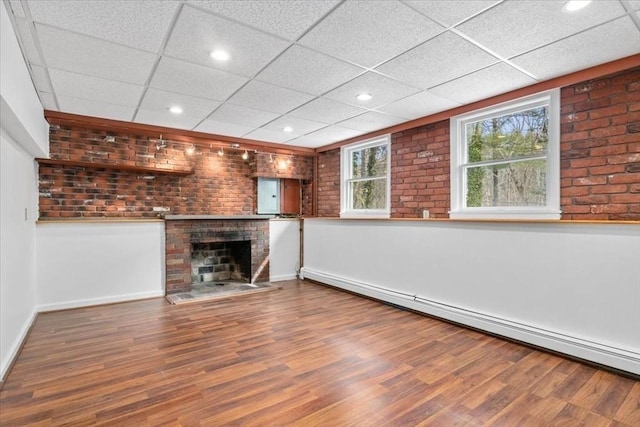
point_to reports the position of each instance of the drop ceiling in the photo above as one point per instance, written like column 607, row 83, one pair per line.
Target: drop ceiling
column 300, row 64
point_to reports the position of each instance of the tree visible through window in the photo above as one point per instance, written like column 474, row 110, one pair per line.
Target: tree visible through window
column 368, row 177
column 365, row 178
column 505, row 160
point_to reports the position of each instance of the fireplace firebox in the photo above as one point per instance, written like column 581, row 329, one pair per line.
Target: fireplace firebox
column 218, row 262
column 224, row 248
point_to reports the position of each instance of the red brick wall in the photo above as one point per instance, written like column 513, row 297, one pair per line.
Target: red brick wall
column 420, row 171
column 600, row 158
column 600, row 148
column 223, row 185
column 328, row 181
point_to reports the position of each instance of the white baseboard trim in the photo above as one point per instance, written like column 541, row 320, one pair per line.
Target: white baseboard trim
column 99, row 301
column 618, row 358
column 16, row 346
column 282, row 277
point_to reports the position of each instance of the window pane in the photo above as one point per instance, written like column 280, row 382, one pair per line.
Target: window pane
column 512, row 184
column 510, row 136
column 369, row 162
column 370, row 194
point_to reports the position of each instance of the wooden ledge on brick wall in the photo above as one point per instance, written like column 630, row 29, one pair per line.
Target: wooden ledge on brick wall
column 95, row 219
column 491, row 221
column 115, row 166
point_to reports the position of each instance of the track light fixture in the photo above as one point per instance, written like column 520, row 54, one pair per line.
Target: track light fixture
column 160, row 143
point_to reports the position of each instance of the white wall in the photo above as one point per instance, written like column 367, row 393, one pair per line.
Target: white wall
column 20, row 109
column 574, row 288
column 81, row 264
column 284, row 249
column 18, row 197
column 23, row 136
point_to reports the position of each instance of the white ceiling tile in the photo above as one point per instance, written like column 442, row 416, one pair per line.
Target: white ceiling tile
column 450, row 12
column 48, row 101
column 267, row 97
column 455, row 57
column 80, row 54
column 370, row 121
column 244, row 116
column 288, row 19
column 269, row 135
column 142, row 24
column 94, row 88
column 635, row 4
column 223, row 128
column 161, row 101
column 326, row 111
column 298, row 126
column 88, row 107
column 381, row 88
column 28, row 44
column 191, row 79
column 197, row 33
column 321, row 72
column 616, row 39
column 303, row 141
column 41, row 79
column 165, row 118
column 418, row 105
column 16, row 8
column 370, row 32
column 329, row 135
column 493, row 80
column 534, row 23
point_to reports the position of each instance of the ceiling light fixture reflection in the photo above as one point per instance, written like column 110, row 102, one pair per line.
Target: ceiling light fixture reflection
column 190, row 150
column 221, row 152
column 219, row 55
column 287, row 129
column 245, row 155
column 574, row 5
column 363, row 97
column 176, row 109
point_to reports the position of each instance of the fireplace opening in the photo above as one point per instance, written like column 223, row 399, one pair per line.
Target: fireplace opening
column 221, row 262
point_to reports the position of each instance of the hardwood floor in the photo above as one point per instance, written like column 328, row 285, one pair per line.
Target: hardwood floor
column 305, row 355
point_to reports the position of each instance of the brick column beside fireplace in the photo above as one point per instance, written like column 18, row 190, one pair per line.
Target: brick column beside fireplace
column 181, row 233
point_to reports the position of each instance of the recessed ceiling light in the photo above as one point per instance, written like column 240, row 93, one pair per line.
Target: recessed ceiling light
column 219, row 55
column 175, row 109
column 574, row 5
column 287, row 129
column 363, row 97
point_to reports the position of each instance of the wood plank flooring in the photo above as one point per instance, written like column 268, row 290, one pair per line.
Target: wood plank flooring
column 306, row 355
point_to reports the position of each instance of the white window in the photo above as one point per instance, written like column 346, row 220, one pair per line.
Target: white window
column 505, row 160
column 365, row 179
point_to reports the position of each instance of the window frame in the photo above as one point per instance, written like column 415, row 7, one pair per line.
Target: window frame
column 459, row 162
column 346, row 199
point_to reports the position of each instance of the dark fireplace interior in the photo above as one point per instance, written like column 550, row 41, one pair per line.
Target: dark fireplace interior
column 221, row 262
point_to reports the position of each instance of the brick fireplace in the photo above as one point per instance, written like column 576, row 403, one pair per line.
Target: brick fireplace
column 210, row 240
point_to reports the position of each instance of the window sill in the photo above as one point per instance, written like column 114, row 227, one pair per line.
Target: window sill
column 546, row 215
column 365, row 215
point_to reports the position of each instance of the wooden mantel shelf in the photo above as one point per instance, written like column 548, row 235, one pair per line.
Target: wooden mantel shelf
column 116, row 167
